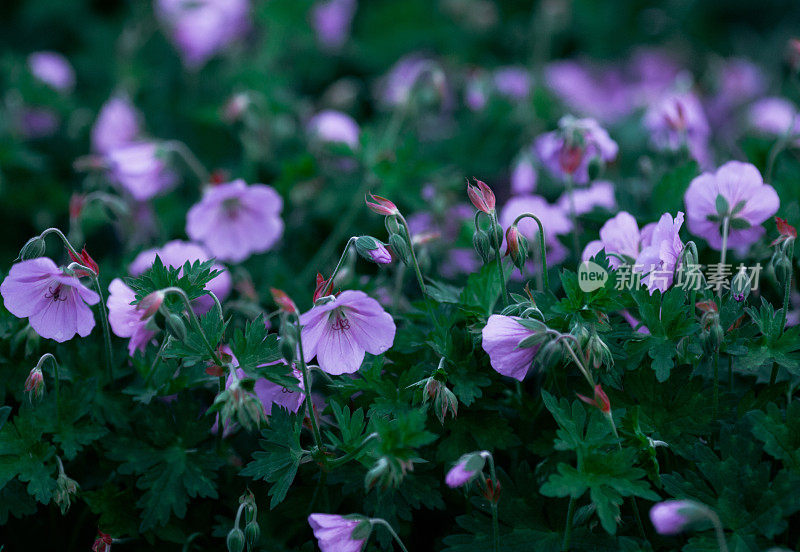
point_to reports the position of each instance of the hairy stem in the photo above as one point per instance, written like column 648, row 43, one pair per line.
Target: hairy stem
column 307, row 387
column 541, row 245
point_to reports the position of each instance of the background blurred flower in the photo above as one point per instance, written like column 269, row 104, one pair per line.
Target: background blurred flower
column 334, row 127
column 141, row 169
column 117, row 125
column 53, row 69
column 126, row 319
column 331, row 20
column 567, row 152
column 678, row 120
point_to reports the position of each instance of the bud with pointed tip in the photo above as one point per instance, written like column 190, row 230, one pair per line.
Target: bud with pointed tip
column 785, row 230
column 373, row 250
column 382, row 206
column 150, row 304
column 321, row 288
column 480, row 241
column 600, row 400
column 235, row 540
column 65, row 489
column 400, row 247
column 252, row 532
column 516, row 246
column 34, row 384
column 86, row 260
column 481, row 196
column 283, row 301
column 175, row 326
column 103, row 542
column 33, row 248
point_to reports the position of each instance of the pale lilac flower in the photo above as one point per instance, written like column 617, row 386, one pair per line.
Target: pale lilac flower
column 125, row 318
column 670, row 517
column 523, row 176
column 594, row 92
column 598, row 194
column 676, row 120
column 409, row 72
column 53, row 69
column 342, row 330
column 235, row 220
column 140, row 168
column 554, row 220
column 56, row 304
column 567, row 152
column 464, row 470
column 661, row 257
column 269, row 393
column 117, row 125
column 202, row 28
column 774, row 117
column 334, row 127
column 512, row 82
column 748, row 200
column 335, row 533
column 737, row 81
column 501, row 338
column 619, row 235
column 175, row 254
column 331, row 20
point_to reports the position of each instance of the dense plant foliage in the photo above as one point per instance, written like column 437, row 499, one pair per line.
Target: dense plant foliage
column 250, row 301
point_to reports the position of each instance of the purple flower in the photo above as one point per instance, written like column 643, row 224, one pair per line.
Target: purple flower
column 567, row 152
column 334, row 127
column 460, row 261
column 651, row 72
column 619, row 235
column 175, row 254
column 676, row 120
column 501, row 338
column 594, row 92
column 661, row 256
column 335, row 533
column 140, row 168
column 512, row 82
column 56, row 304
column 117, row 125
column 380, row 254
column 202, row 28
column 774, row 117
column 331, row 20
column 746, row 203
column 554, row 220
column 672, row 516
column 406, row 75
column 235, row 220
column 340, row 331
column 125, row 318
column 634, row 322
column 598, row 194
column 523, row 176
column 53, row 69
column 465, row 469
column 269, row 393
column 737, row 82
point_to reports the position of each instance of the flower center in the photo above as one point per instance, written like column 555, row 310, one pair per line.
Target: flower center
column 56, row 292
column 232, row 207
column 340, row 321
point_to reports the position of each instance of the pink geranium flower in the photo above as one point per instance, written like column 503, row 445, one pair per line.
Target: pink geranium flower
column 567, row 151
column 117, row 125
column 175, row 254
column 501, row 338
column 56, row 304
column 140, row 168
column 746, row 203
column 125, row 318
column 335, row 533
column 620, row 235
column 235, row 220
column 662, row 256
column 342, row 330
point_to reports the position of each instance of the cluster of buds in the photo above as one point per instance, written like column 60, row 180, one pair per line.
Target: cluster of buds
column 711, row 330
column 65, row 488
column 238, row 402
column 784, row 250
column 237, row 539
column 373, row 250
column 482, row 198
column 399, row 240
column 34, row 384
column 388, row 472
column 434, row 389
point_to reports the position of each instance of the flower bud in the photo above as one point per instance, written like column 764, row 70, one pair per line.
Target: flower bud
column 382, row 206
column 33, row 248
column 400, row 247
column 465, row 469
column 599, row 352
column 34, row 384
column 175, row 326
column 673, row 516
column 252, row 532
column 444, row 402
column 392, row 226
column 86, row 260
column 283, row 300
column 150, row 304
column 480, row 241
column 782, row 266
column 103, row 542
column 785, row 231
column 516, row 246
column 65, row 488
column 600, row 400
column 481, row 196
column 373, row 250
column 740, row 286
column 235, row 540
column 288, row 349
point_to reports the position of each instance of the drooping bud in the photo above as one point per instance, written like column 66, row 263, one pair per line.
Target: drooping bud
column 480, row 241
column 782, row 265
column 392, row 225
column 175, row 326
column 76, row 204
column 65, row 489
column 34, row 384
column 235, row 540
column 740, row 285
column 481, row 196
column 467, row 467
column 252, row 532
column 382, row 206
column 283, row 301
column 103, row 542
column 150, row 304
column 33, row 248
column 516, row 246
column 400, row 247
column 674, row 516
column 600, row 400
column 569, row 158
column 86, row 260
column 599, row 351
column 373, row 250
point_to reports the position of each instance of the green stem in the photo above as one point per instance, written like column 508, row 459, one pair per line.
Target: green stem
column 335, row 463
column 239, row 515
column 157, row 360
column 787, row 287
column 109, row 355
column 568, row 524
column 725, row 226
column 775, row 150
column 718, row 529
column 495, row 522
column 417, row 270
column 307, row 387
column 573, row 215
column 190, row 159
column 56, row 379
column 496, row 243
column 581, row 367
column 541, row 245
column 379, row 521
column 329, row 286
column 716, row 383
column 196, row 321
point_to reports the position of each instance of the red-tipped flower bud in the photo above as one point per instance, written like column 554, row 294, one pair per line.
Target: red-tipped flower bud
column 102, row 543
column 283, row 300
column 150, row 304
column 785, row 230
column 481, row 196
column 381, row 206
column 34, row 384
column 86, row 260
column 600, row 400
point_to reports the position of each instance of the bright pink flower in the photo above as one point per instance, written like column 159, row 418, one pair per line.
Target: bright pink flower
column 342, row 330
column 126, row 319
column 53, row 69
column 661, row 257
column 175, row 254
column 501, row 338
column 117, row 125
column 335, row 533
column 56, row 304
column 235, row 220
column 140, row 168
column 747, row 202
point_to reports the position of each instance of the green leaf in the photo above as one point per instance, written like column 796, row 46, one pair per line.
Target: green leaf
column 258, row 354
column 662, row 352
column 781, row 437
column 482, row 290
column 193, row 349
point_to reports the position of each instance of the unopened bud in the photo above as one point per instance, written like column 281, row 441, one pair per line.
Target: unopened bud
column 740, row 286
column 782, row 266
column 392, row 226
column 175, row 326
column 34, row 384
column 235, row 540
column 287, row 350
column 252, row 532
column 516, row 246
column 400, row 247
column 150, row 304
column 65, row 489
column 480, row 241
column 373, row 250
column 33, row 248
